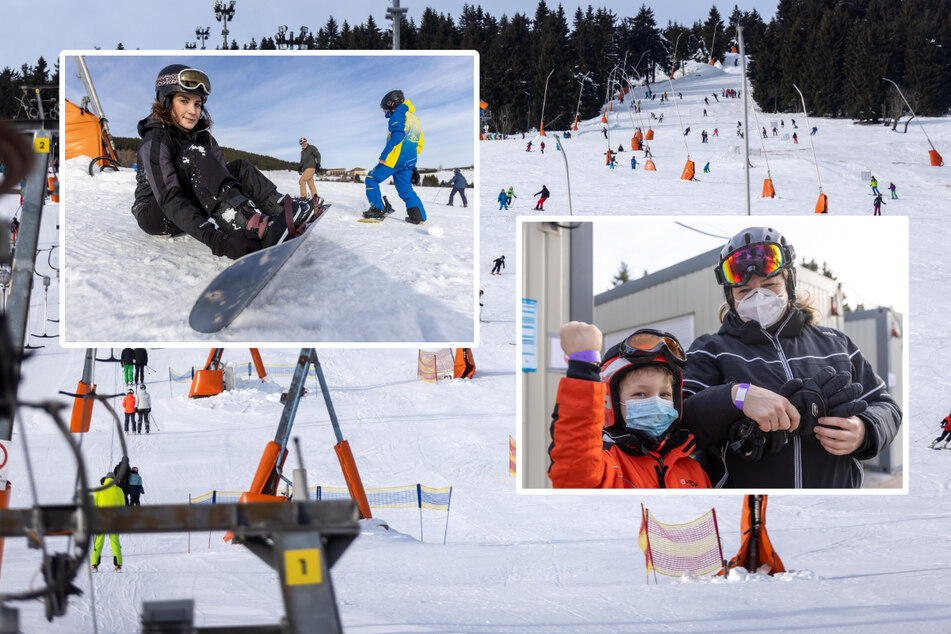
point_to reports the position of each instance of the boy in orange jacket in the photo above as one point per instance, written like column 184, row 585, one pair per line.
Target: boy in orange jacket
column 620, row 427
column 128, row 406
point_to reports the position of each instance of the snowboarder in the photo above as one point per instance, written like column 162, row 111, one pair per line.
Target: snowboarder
column 945, row 433
column 510, row 194
column 135, row 487
column 540, row 205
column 814, row 130
column 110, row 496
column 687, row 131
column 127, row 359
column 874, row 184
column 143, row 405
column 499, row 263
column 623, row 427
column 891, row 188
column 404, row 142
column 185, row 186
column 458, row 184
column 528, row 148
column 706, row 168
column 878, row 205
column 503, row 200
column 308, row 167
column 128, row 406
column 542, row 146
column 141, row 360
column 633, row 162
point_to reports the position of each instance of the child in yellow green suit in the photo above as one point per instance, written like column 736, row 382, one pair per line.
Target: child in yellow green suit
column 110, row 496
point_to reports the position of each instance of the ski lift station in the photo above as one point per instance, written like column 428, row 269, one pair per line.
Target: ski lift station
column 556, row 263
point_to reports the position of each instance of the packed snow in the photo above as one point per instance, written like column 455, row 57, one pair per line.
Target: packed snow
column 350, row 282
column 518, row 563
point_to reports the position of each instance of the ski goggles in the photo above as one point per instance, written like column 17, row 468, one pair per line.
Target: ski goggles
column 647, row 343
column 188, row 78
column 766, row 259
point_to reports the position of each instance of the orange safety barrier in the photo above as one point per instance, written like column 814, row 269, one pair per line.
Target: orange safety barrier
column 635, row 143
column 936, row 159
column 822, row 205
column 82, row 409
column 649, row 166
column 650, row 134
column 768, row 191
column 689, row 170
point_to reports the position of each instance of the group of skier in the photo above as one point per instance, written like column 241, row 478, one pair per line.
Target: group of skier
column 137, row 404
column 877, row 202
column 119, row 487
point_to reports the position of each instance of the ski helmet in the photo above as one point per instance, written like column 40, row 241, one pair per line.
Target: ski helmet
column 755, row 250
column 180, row 78
column 641, row 348
column 392, row 99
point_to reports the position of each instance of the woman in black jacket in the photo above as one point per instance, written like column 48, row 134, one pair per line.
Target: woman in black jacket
column 778, row 401
column 183, row 183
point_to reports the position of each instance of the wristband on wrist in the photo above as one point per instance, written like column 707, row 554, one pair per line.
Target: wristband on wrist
column 591, row 356
column 741, row 395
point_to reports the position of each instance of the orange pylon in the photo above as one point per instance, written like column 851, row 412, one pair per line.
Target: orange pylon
column 574, row 126
column 822, row 205
column 936, row 159
column 649, row 166
column 768, row 191
column 650, row 134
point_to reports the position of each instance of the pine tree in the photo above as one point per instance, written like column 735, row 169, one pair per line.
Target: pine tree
column 714, row 37
column 622, row 275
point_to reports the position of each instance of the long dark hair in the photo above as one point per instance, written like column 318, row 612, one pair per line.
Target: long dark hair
column 164, row 114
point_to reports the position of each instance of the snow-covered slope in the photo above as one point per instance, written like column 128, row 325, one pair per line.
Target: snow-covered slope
column 531, row 563
column 352, row 281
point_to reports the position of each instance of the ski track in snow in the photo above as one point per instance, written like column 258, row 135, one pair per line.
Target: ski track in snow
column 350, row 282
column 512, row 563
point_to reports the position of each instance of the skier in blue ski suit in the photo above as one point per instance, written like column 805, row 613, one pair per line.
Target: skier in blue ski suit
column 403, row 144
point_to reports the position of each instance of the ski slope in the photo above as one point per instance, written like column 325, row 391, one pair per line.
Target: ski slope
column 351, row 282
column 527, row 563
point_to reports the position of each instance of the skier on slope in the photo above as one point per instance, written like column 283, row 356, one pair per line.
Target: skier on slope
column 945, row 436
column 184, row 185
column 617, row 419
column 499, row 264
column 878, row 205
column 510, row 194
column 136, row 488
column 458, row 184
column 127, row 359
column 503, row 200
column 779, row 401
column 128, row 406
column 404, row 142
column 544, row 193
column 891, row 188
column 111, row 495
column 143, row 407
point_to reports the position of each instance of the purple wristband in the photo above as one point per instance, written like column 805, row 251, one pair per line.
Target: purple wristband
column 590, row 356
column 741, row 395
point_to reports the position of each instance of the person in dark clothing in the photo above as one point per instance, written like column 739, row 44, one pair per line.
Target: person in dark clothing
column 308, row 167
column 878, row 205
column 14, row 231
column 141, row 357
column 458, row 184
column 776, row 400
column 136, row 488
column 127, row 359
column 540, row 205
column 499, row 265
column 121, row 476
column 184, row 185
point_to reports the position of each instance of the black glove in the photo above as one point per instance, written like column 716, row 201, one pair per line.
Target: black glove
column 300, row 169
column 751, row 442
column 828, row 393
column 234, row 244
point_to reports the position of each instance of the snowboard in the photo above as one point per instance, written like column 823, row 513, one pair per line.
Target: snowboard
column 237, row 286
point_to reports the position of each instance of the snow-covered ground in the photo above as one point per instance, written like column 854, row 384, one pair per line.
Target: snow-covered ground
column 351, row 282
column 531, row 563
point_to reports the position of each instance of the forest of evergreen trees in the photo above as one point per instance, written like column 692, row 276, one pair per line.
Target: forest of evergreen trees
column 836, row 51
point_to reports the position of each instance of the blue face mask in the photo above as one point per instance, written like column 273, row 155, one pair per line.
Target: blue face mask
column 652, row 416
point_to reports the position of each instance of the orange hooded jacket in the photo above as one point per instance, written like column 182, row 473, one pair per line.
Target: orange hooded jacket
column 579, row 460
column 128, row 404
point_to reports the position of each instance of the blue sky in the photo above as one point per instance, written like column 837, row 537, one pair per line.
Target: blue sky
column 44, row 27
column 264, row 103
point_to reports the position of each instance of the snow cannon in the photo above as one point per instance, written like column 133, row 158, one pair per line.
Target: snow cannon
column 768, row 191
column 822, row 205
column 689, row 171
column 936, row 159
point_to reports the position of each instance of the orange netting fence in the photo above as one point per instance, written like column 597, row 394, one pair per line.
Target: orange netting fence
column 677, row 549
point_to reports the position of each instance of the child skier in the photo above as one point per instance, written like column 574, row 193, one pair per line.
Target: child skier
column 633, row 162
column 135, row 487
column 706, row 168
column 404, row 142
column 878, row 205
column 499, row 263
column 510, row 194
column 503, row 200
column 945, row 433
column 891, row 188
column 620, row 427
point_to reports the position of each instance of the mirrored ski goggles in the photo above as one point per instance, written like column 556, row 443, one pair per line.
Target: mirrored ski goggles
column 189, row 79
column 647, row 343
column 763, row 259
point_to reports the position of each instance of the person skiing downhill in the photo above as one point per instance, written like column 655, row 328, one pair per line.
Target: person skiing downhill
column 874, row 184
column 510, row 194
column 499, row 263
column 458, row 184
column 184, row 185
column 404, row 142
column 945, row 436
column 878, row 205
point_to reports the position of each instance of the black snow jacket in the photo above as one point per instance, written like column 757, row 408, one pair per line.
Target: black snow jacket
column 745, row 353
column 309, row 158
column 159, row 174
column 543, row 192
column 141, row 356
column 127, row 357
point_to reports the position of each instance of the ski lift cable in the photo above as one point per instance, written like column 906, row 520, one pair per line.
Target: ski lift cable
column 701, row 231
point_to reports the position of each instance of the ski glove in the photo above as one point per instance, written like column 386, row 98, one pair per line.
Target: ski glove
column 234, row 245
column 750, row 442
column 828, row 393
